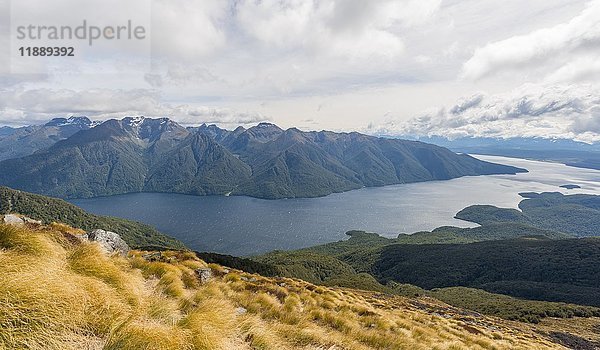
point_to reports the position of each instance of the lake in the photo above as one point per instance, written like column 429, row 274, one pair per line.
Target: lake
column 244, row 226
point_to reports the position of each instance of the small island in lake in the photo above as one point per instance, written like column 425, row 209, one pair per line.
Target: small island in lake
column 570, row 186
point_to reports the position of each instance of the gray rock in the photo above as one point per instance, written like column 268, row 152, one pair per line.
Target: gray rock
column 204, row 274
column 240, row 311
column 153, row 256
column 110, row 241
column 11, row 219
column 31, row 221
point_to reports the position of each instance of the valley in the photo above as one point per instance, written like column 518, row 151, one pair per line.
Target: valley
column 447, row 270
column 300, row 175
column 471, row 237
column 214, row 223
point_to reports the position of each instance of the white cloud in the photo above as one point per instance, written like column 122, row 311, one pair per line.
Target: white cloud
column 27, row 107
column 180, row 74
column 557, row 111
column 542, row 50
column 188, row 30
column 226, row 117
column 272, row 48
column 352, row 29
column 579, row 69
column 360, row 60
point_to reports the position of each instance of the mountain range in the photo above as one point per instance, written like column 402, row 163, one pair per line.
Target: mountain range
column 570, row 152
column 138, row 154
column 20, row 142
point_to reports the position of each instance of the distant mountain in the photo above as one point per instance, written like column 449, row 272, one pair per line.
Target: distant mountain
column 199, row 166
column 515, row 143
column 211, row 130
column 20, row 142
column 159, row 155
column 569, row 152
column 292, row 163
column 7, row 130
column 111, row 158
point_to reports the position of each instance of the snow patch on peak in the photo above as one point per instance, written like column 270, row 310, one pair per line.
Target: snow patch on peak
column 266, row 125
column 80, row 121
column 134, row 121
column 95, row 123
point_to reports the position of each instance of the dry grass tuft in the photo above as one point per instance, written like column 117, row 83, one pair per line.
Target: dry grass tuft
column 210, row 324
column 149, row 334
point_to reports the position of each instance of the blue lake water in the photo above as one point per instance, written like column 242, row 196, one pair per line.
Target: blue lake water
column 245, row 226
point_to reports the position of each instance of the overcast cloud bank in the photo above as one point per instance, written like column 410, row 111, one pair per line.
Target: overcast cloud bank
column 557, row 111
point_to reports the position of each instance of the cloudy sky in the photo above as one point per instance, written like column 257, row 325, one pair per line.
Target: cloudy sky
column 422, row 67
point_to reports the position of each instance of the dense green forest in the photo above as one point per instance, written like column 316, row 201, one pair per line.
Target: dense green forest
column 552, row 270
column 500, row 305
column 235, row 262
column 365, row 269
column 48, row 209
column 578, row 214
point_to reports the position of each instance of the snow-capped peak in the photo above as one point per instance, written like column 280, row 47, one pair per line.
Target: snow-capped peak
column 134, row 121
column 266, row 125
column 79, row 121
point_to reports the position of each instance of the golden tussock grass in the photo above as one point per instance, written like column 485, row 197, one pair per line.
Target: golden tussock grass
column 58, row 293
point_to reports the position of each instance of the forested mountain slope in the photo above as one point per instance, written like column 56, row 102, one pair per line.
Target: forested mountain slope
column 158, row 155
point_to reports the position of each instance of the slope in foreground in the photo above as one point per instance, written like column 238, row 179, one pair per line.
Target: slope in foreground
column 59, row 292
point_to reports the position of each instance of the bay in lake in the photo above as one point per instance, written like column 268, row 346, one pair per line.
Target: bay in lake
column 245, row 226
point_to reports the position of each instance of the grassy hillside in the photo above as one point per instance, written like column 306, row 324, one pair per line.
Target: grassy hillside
column 50, row 209
column 504, row 306
column 508, row 307
column 514, row 253
column 512, row 258
column 60, row 293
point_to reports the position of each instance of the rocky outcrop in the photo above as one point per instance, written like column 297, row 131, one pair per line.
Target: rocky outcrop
column 12, row 219
column 31, row 221
column 204, row 274
column 109, row 241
